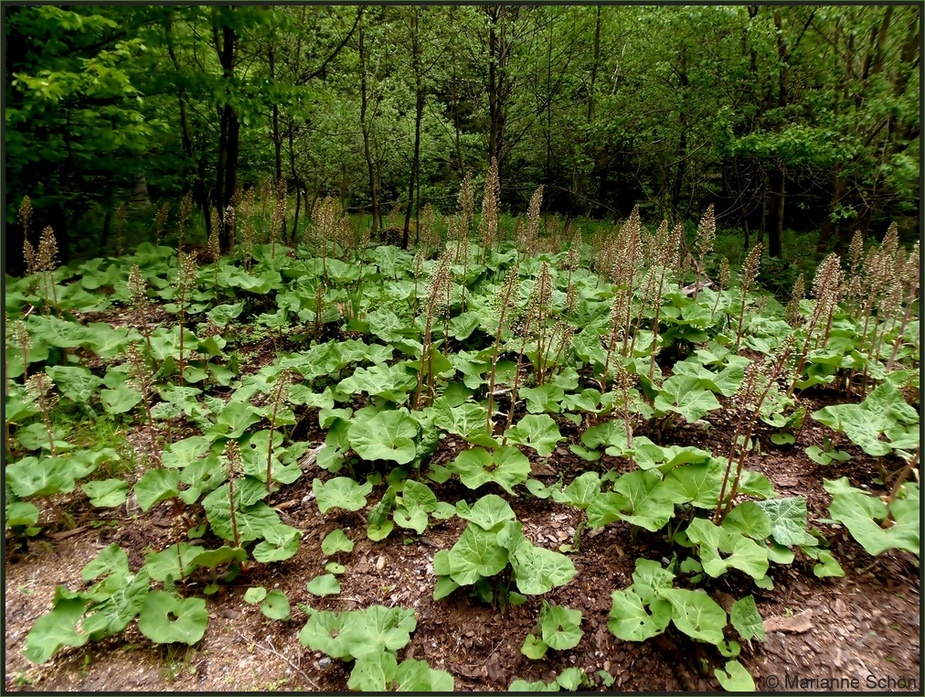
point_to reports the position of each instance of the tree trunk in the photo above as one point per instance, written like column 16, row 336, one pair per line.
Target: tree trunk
column 418, row 116
column 229, row 126
column 776, row 227
column 364, row 125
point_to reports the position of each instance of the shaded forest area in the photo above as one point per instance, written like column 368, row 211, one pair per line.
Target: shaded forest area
column 782, row 117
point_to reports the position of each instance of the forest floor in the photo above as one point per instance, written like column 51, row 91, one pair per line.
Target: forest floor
column 863, row 627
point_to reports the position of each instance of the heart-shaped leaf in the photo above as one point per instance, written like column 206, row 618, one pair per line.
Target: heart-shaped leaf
column 385, row 436
column 166, row 619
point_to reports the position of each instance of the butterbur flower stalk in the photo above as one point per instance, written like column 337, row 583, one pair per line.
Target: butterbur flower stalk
column 667, row 245
column 279, row 396
column 623, row 383
column 722, row 284
column 792, row 312
column 186, row 281
column 539, row 308
column 426, row 235
column 138, row 297
column 440, row 278
column 319, row 310
column 747, row 277
column 910, row 276
column 617, row 310
column 853, row 288
column 826, row 285
column 491, row 204
column 21, row 336
column 706, row 236
column 278, row 220
column 755, row 388
column 160, row 221
column 39, row 386
column 142, row 379
column 528, row 241
column 186, row 207
column 47, row 262
column 509, row 291
column 234, row 464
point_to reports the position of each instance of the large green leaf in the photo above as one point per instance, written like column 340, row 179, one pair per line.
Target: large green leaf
column 340, row 492
column 114, row 613
column 373, row 672
column 537, row 431
column 166, row 619
column 76, row 382
column 746, row 619
column 416, row 676
column 57, row 628
column 581, row 492
column 863, row 515
column 506, row 466
column 629, row 619
column 650, row 505
column 120, row 400
column 490, row 512
column 387, row 435
column 323, row 632
column 560, row 627
column 684, row 395
column 106, row 493
column 696, row 614
column 695, row 483
column 252, row 522
column 721, row 549
column 788, row 520
column 280, row 542
column 735, row 678
column 155, row 486
column 539, row 570
column 379, row 627
column 476, row 555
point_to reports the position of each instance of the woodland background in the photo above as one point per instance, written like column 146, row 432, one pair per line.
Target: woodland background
column 789, row 119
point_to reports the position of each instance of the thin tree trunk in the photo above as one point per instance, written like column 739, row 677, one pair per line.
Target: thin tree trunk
column 364, row 124
column 418, row 116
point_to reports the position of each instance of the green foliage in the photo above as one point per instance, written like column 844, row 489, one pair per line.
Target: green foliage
column 876, row 527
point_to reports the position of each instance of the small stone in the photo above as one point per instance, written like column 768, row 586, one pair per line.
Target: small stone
column 324, row 662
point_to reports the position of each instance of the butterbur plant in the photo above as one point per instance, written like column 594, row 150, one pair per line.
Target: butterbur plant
column 722, row 284
column 909, row 280
column 160, row 221
column 143, row 380
column 747, row 278
column 491, row 203
column 508, row 291
column 39, row 386
column 234, row 464
column 703, row 245
column 826, row 286
column 46, row 263
column 278, row 398
column 21, row 336
column 437, row 288
column 760, row 379
column 186, row 207
column 186, row 281
column 138, row 298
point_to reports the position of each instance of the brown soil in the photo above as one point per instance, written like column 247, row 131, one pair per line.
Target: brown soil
column 865, row 626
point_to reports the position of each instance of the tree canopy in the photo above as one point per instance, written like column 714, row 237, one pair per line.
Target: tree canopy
column 802, row 117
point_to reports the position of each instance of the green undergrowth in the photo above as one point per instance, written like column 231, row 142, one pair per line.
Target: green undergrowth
column 382, row 357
